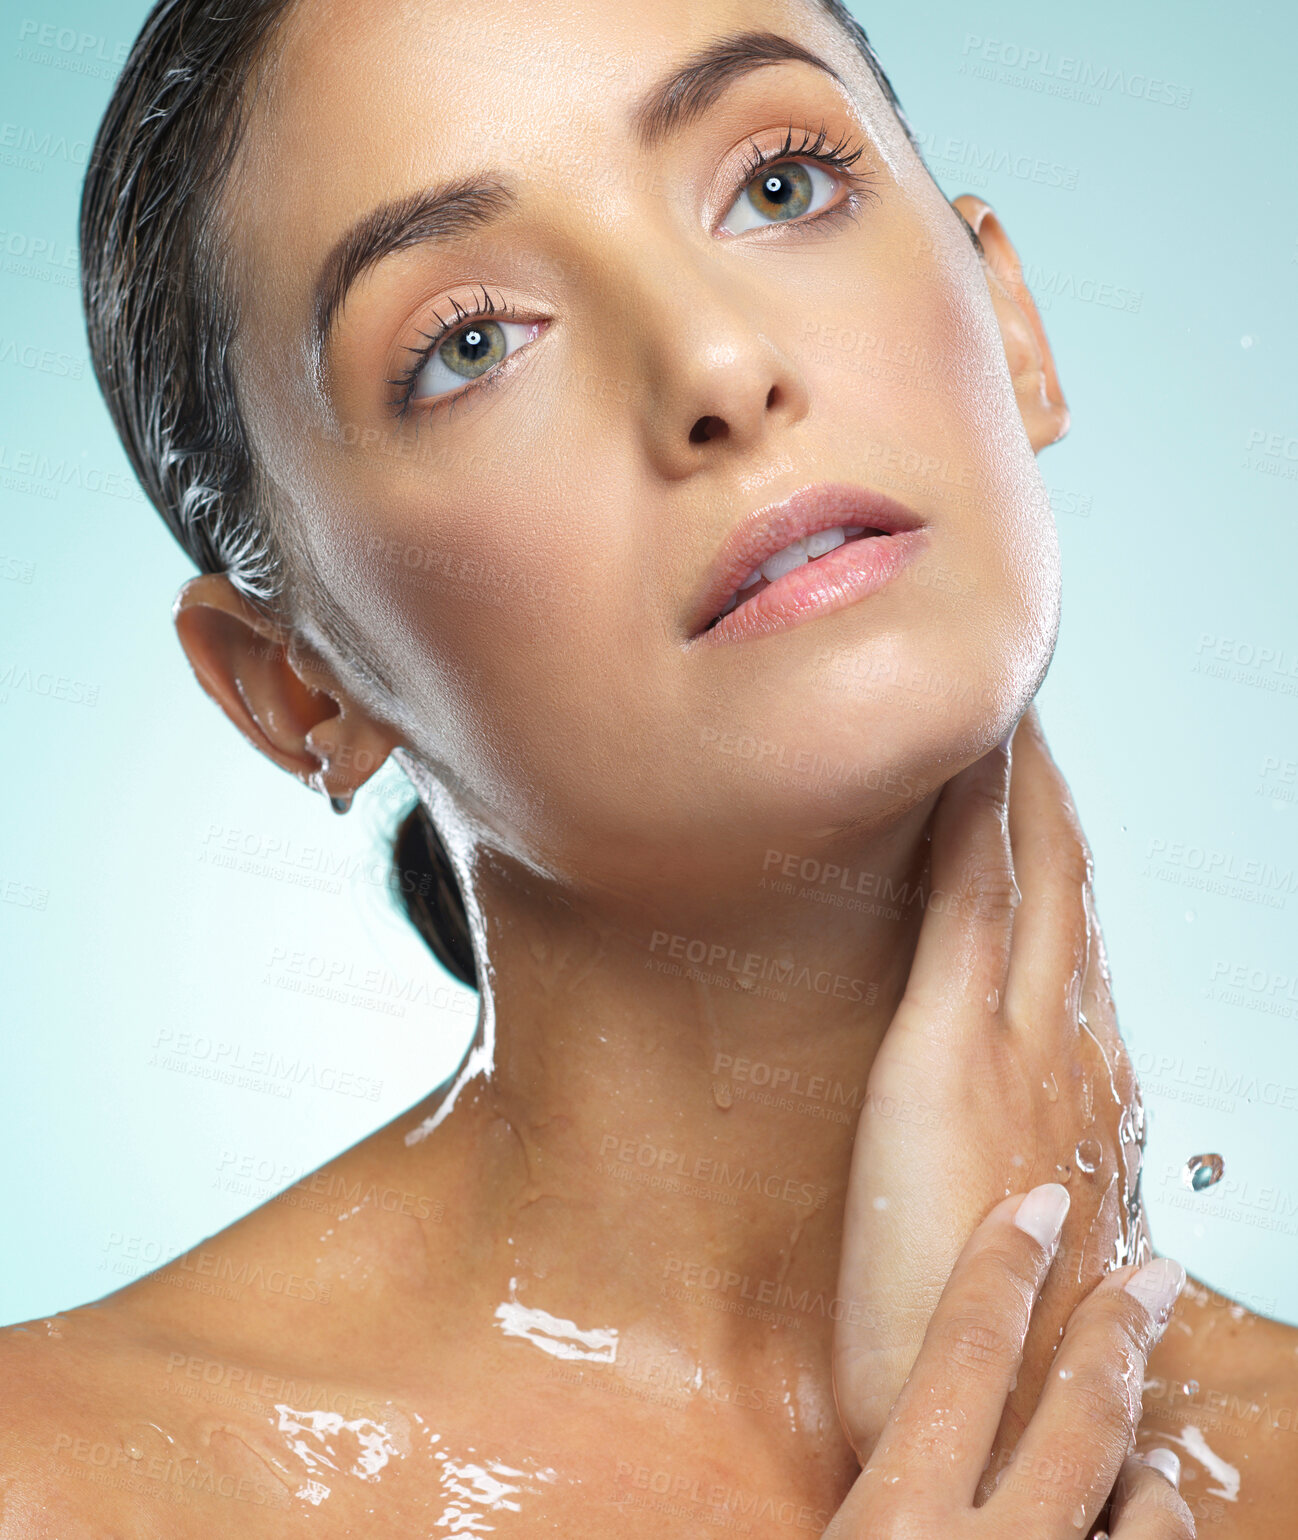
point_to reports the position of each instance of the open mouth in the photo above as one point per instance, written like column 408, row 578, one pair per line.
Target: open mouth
column 805, row 551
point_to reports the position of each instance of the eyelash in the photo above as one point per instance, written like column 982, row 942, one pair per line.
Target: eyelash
column 406, row 381
column 841, row 157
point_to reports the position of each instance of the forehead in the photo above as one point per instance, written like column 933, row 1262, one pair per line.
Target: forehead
column 364, row 100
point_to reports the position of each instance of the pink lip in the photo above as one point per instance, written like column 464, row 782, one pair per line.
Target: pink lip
column 839, row 578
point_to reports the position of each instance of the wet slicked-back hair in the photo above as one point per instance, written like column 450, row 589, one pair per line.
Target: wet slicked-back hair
column 162, row 321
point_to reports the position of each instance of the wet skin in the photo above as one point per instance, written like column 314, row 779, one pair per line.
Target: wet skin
column 362, row 1350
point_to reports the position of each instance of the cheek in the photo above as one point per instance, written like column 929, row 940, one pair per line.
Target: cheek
column 496, row 619
column 925, row 410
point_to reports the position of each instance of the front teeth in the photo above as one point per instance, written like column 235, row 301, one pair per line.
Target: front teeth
column 796, row 554
column 793, row 555
column 824, row 540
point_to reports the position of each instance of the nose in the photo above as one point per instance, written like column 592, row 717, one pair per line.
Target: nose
column 720, row 381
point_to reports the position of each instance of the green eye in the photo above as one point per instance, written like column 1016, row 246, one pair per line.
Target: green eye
column 474, row 350
column 779, row 193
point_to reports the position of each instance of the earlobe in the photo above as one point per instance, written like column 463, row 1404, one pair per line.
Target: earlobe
column 1027, row 349
column 284, row 701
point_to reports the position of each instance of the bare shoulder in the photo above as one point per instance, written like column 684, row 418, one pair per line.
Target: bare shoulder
column 68, row 1381
column 160, row 1409
column 1222, row 1392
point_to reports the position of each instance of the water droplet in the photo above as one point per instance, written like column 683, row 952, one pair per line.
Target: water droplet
column 134, row 1451
column 1063, row 1172
column 993, row 999
column 1202, row 1171
column 721, row 1093
column 1051, row 1087
column 1065, row 1374
column 879, row 1203
column 1017, row 1160
column 1088, row 1155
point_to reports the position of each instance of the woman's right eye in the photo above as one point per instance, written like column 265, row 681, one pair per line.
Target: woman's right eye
column 467, row 354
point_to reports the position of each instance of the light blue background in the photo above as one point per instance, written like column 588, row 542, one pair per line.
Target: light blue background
column 161, row 880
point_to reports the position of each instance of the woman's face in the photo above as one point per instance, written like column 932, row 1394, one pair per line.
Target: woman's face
column 683, row 341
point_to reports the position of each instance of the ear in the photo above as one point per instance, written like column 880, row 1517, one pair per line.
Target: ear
column 280, row 695
column 1032, row 365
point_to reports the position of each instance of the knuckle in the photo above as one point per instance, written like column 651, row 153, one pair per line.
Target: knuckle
column 987, row 792
column 968, row 1342
column 988, row 892
column 1006, row 1267
column 1158, row 1505
column 1103, row 1401
column 1068, row 858
column 1115, row 1324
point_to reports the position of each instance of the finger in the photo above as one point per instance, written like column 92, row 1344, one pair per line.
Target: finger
column 1147, row 1505
column 1114, row 1102
column 1083, row 1428
column 950, row 1407
column 1052, row 863
column 964, row 941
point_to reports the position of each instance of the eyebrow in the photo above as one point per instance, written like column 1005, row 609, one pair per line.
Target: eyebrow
column 455, row 208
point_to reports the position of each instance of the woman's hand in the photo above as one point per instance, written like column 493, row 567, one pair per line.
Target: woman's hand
column 923, row 1477
column 1002, row 1068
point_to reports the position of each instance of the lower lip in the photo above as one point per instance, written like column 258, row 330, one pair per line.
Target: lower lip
column 831, row 582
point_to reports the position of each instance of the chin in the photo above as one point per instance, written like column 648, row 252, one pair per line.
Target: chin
column 859, row 717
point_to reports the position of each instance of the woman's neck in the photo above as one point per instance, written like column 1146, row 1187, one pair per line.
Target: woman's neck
column 665, row 1130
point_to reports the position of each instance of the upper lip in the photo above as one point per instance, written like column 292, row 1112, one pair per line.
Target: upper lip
column 759, row 534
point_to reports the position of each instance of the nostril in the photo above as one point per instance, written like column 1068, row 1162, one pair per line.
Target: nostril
column 708, row 428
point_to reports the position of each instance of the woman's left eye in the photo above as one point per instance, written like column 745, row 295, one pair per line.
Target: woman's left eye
column 777, row 194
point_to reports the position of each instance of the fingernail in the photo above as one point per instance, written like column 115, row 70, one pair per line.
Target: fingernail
column 1165, row 1463
column 1156, row 1286
column 1041, row 1214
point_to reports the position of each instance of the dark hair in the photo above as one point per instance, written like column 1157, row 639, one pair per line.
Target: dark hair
column 162, row 321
